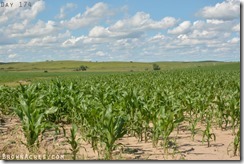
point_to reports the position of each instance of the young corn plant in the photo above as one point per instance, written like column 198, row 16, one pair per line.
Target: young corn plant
column 91, row 128
column 235, row 114
column 221, row 109
column 193, row 128
column 156, row 131
column 207, row 133
column 112, row 128
column 32, row 114
column 237, row 142
column 169, row 122
column 234, row 146
column 73, row 141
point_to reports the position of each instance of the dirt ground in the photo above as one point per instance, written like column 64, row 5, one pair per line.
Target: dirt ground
column 182, row 146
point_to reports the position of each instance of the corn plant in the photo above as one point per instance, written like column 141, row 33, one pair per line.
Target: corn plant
column 234, row 113
column 73, row 141
column 207, row 133
column 193, row 128
column 32, row 114
column 237, row 142
column 166, row 119
column 112, row 128
column 234, row 146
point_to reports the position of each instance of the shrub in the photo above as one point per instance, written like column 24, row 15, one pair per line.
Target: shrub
column 156, row 66
column 81, row 68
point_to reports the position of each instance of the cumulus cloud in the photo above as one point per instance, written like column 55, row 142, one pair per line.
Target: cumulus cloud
column 17, row 27
column 5, row 39
column 132, row 27
column 184, row 27
column 41, row 28
column 142, row 21
column 100, row 53
column 219, row 26
column 64, row 9
column 227, row 10
column 90, row 17
column 236, row 28
column 158, row 37
column 16, row 21
column 101, row 32
column 31, row 13
column 11, row 56
column 50, row 39
column 234, row 40
column 18, row 14
column 214, row 21
column 117, row 37
column 74, row 41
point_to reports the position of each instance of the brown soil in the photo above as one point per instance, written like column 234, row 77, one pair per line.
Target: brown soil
column 182, row 146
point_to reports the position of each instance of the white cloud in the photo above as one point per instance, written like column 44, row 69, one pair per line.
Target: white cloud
column 15, row 20
column 74, row 41
column 5, row 39
column 184, row 27
column 18, row 14
column 99, row 31
column 227, row 10
column 50, row 39
column 142, row 21
column 138, row 37
column 64, row 9
column 100, row 53
column 3, row 19
column 203, row 34
column 214, row 21
column 158, row 37
column 234, row 40
column 213, row 25
column 133, row 27
column 11, row 56
column 236, row 28
column 91, row 16
column 32, row 12
column 39, row 29
column 130, row 28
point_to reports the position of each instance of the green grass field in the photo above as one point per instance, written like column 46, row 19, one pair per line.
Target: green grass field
column 13, row 73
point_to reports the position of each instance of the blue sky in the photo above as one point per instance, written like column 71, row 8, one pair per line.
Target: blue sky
column 122, row 30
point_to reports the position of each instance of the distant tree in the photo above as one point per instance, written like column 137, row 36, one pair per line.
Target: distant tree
column 81, row 68
column 156, row 67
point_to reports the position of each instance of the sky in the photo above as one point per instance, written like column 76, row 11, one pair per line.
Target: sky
column 121, row 30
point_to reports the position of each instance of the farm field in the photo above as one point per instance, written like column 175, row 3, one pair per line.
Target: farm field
column 14, row 73
column 121, row 111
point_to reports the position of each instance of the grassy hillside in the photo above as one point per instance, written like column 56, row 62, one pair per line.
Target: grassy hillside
column 15, row 73
column 68, row 66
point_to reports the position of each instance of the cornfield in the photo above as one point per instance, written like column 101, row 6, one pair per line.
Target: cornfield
column 148, row 106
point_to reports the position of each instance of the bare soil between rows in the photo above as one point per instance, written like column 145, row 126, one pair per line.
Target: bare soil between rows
column 182, row 146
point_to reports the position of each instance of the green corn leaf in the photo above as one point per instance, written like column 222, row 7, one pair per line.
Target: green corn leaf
column 51, row 110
